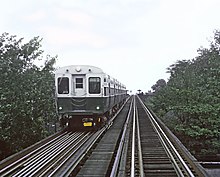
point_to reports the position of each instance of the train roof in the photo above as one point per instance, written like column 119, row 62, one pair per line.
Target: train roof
column 79, row 69
column 84, row 69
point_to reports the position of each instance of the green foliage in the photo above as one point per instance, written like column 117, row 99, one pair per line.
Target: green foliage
column 161, row 83
column 193, row 95
column 26, row 93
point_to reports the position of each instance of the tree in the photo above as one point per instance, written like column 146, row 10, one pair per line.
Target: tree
column 26, row 93
column 192, row 95
column 159, row 84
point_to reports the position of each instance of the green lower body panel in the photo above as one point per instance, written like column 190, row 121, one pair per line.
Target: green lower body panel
column 86, row 111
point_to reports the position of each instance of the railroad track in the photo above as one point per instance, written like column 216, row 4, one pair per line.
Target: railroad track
column 135, row 145
column 58, row 155
column 52, row 157
column 150, row 152
column 100, row 161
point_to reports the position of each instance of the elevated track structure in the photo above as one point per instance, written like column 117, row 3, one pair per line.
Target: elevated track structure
column 134, row 143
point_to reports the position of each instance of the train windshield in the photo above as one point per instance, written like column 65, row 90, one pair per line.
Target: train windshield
column 63, row 85
column 79, row 83
column 94, row 85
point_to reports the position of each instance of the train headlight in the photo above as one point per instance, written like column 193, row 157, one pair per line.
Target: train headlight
column 78, row 69
column 97, row 107
column 60, row 108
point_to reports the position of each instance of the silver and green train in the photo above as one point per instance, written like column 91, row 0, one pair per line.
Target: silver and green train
column 86, row 96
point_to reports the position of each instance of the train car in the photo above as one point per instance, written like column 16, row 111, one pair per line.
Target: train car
column 86, row 96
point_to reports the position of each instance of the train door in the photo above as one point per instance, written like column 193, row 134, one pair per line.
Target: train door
column 79, row 85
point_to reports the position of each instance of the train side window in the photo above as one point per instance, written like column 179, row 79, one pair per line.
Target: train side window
column 79, row 82
column 94, row 85
column 105, row 91
column 63, row 85
column 109, row 89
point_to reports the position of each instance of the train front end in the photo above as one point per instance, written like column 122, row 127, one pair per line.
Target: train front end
column 79, row 97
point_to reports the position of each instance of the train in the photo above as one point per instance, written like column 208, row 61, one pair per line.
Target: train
column 86, row 96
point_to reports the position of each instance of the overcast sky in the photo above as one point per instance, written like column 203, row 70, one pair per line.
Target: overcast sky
column 131, row 40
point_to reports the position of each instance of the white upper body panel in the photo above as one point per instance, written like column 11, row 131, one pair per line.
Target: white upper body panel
column 79, row 69
column 84, row 81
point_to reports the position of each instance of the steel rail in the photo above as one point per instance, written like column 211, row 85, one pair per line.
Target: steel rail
column 133, row 142
column 115, row 167
column 84, row 150
column 37, row 163
column 41, row 154
column 73, row 144
column 75, row 162
column 91, row 143
column 191, row 160
column 66, row 155
column 140, row 158
column 167, row 143
column 67, row 158
column 16, row 164
column 172, row 158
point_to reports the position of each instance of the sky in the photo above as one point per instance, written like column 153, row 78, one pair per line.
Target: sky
column 134, row 41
